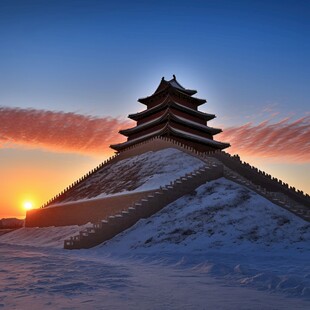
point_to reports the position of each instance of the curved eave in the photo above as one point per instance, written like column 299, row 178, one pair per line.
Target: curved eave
column 195, row 125
column 129, row 131
column 197, row 101
column 206, row 116
column 174, row 83
column 163, row 85
column 178, row 119
column 173, row 131
column 193, row 137
column 164, row 104
column 190, row 93
column 121, row 146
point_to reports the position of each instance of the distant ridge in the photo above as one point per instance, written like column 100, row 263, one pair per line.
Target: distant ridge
column 11, row 223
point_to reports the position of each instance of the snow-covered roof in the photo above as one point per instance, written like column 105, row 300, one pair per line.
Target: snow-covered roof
column 142, row 126
column 195, row 124
column 137, row 140
column 199, row 138
column 169, row 128
column 174, row 83
column 175, row 117
column 169, row 101
column 165, row 85
column 207, row 116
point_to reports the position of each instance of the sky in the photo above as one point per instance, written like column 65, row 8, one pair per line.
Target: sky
column 72, row 71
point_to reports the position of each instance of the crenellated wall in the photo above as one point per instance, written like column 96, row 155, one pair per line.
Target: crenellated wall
column 233, row 162
column 80, row 212
column 259, row 178
column 153, row 144
column 119, row 221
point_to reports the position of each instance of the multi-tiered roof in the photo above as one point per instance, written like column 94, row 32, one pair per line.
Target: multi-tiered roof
column 172, row 112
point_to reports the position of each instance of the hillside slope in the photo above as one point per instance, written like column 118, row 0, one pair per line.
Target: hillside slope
column 221, row 230
column 226, row 230
column 219, row 215
column 142, row 172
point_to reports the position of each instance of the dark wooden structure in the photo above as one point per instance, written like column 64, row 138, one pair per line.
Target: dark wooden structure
column 172, row 112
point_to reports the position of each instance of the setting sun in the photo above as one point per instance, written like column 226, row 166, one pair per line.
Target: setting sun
column 28, row 205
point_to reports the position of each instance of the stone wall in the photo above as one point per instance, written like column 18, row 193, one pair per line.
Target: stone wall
column 147, row 206
column 261, row 178
column 233, row 162
column 146, row 146
column 81, row 212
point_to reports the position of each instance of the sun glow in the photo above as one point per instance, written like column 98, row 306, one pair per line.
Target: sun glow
column 28, row 205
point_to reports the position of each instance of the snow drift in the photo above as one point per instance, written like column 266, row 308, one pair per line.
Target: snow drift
column 221, row 231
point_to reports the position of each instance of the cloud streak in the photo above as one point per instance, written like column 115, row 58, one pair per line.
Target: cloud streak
column 286, row 139
column 76, row 133
column 58, row 131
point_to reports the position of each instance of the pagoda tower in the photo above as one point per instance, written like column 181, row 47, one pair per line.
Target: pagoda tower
column 172, row 112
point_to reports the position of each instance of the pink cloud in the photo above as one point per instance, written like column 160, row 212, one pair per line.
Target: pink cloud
column 71, row 132
column 59, row 131
column 286, row 139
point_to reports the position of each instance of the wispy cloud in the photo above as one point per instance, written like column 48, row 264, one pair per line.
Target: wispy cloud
column 58, row 131
column 71, row 132
column 286, row 139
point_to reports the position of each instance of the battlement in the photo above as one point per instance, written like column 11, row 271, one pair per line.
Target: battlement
column 233, row 162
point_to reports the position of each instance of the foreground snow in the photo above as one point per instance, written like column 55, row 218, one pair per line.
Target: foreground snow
column 226, row 230
column 45, row 236
column 222, row 247
column 42, row 278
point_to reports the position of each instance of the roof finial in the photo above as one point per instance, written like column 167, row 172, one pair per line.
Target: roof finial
column 174, row 77
column 162, row 78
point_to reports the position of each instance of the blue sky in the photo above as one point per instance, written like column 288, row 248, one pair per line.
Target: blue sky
column 249, row 59
column 97, row 57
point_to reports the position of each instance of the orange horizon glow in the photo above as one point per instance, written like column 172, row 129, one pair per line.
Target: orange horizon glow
column 50, row 174
column 53, row 172
column 52, row 168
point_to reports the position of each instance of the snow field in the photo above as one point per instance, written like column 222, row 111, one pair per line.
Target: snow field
column 221, row 232
column 226, row 230
column 221, row 247
column 42, row 237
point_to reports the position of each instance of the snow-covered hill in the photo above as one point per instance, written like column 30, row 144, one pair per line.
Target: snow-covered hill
column 142, row 172
column 226, row 230
column 220, row 215
column 52, row 237
column 222, row 229
column 208, row 249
